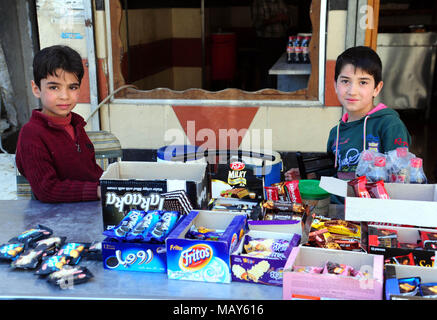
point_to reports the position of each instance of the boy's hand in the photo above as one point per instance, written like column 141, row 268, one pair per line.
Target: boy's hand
column 292, row 174
column 99, row 193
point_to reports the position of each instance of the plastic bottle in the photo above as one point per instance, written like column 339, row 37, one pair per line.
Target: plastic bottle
column 298, row 49
column 365, row 163
column 306, row 50
column 416, row 171
column 379, row 171
column 399, row 160
column 291, row 52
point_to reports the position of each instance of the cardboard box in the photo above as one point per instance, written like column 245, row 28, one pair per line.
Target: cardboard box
column 204, row 260
column 267, row 271
column 422, row 257
column 396, row 272
column 127, row 185
column 301, row 285
column 134, row 256
column 411, row 204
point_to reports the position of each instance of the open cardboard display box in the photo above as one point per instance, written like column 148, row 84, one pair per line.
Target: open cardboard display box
column 264, row 270
column 409, row 204
column 303, row 285
column 395, row 272
column 204, row 260
column 127, row 185
column 393, row 252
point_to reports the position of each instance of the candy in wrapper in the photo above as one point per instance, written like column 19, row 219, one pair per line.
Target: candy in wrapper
column 69, row 276
column 346, row 243
column 343, row 227
column 29, row 236
column 52, row 263
column 73, row 250
column 307, row 269
column 293, row 192
column 94, row 251
column 271, row 193
column 145, row 226
column 164, row 226
column 405, row 260
column 383, row 237
column 126, row 225
column 337, row 269
column 202, row 233
column 265, row 255
column 409, row 286
column 11, row 251
column 271, row 245
column 359, row 187
column 282, row 193
column 429, row 240
column 428, row 290
column 377, row 190
column 32, row 257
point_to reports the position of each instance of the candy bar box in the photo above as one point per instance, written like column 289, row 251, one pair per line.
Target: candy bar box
column 262, row 253
column 199, row 247
column 401, row 245
column 410, row 283
column 316, row 273
column 127, row 185
column 137, row 243
column 134, row 256
column 243, row 174
column 411, row 204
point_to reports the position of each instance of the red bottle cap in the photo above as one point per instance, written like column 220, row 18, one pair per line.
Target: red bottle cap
column 379, row 161
column 402, row 152
column 416, row 162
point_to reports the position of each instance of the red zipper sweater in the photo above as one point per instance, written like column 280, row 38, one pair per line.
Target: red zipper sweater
column 58, row 167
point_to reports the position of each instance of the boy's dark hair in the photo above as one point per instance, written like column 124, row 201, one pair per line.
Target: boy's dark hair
column 49, row 59
column 360, row 57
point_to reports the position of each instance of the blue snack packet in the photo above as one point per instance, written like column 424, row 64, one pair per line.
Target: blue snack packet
column 145, row 225
column 125, row 225
column 52, row 263
column 164, row 226
column 29, row 236
column 11, row 251
column 409, row 286
column 73, row 250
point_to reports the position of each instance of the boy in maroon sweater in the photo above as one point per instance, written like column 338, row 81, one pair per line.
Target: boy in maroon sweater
column 54, row 152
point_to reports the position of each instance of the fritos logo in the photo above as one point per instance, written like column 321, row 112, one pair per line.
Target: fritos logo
column 237, row 165
column 195, row 257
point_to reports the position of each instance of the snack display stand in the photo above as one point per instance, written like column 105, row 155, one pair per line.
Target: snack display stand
column 158, row 234
column 83, row 222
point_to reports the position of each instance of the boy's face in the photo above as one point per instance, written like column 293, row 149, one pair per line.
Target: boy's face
column 58, row 94
column 355, row 90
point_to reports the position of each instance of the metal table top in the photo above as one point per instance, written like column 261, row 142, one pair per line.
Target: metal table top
column 82, row 222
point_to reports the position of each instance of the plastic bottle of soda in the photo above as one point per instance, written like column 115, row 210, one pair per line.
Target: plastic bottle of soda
column 305, row 49
column 291, row 50
column 416, row 171
column 379, row 171
column 298, row 50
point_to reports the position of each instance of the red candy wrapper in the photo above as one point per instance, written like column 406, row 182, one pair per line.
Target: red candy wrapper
column 429, row 240
column 406, row 260
column 377, row 190
column 272, row 193
column 359, row 186
column 292, row 188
